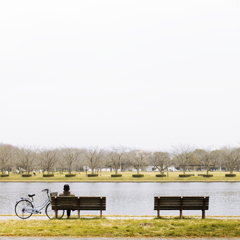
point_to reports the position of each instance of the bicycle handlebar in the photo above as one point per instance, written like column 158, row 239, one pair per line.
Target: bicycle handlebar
column 45, row 190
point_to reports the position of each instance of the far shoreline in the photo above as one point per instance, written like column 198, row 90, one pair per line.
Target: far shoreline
column 125, row 177
column 107, row 181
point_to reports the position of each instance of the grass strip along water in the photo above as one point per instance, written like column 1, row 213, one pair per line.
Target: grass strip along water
column 94, row 227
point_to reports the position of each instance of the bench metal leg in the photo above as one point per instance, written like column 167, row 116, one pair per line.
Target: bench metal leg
column 101, row 206
column 180, row 214
column 56, row 210
column 181, row 208
column 56, row 213
column 203, row 214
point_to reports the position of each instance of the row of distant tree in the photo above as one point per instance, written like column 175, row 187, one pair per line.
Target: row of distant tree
column 184, row 157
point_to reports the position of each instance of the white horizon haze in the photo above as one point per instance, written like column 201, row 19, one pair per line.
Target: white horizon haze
column 146, row 74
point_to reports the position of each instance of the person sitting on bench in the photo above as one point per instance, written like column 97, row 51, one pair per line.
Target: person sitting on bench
column 66, row 192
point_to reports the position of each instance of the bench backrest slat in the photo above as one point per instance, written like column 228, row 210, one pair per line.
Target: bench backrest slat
column 178, row 203
column 79, row 203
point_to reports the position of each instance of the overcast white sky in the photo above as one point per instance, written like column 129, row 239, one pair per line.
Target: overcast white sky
column 147, row 74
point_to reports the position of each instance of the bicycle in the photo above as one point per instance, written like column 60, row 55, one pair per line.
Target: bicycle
column 25, row 207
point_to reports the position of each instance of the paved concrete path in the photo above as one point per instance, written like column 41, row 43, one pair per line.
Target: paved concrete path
column 44, row 217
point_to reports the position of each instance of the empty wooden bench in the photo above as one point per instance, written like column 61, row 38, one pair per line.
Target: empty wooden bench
column 78, row 203
column 181, row 203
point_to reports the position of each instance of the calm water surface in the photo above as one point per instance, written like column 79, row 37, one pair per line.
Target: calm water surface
column 131, row 198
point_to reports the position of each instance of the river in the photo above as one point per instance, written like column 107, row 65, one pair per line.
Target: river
column 131, row 198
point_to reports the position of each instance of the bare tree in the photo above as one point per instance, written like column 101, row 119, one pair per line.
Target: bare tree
column 218, row 158
column 70, row 155
column 182, row 155
column 48, row 159
column 93, row 157
column 60, row 163
column 78, row 165
column 231, row 157
column 160, row 160
column 116, row 156
column 5, row 156
column 138, row 159
column 26, row 157
column 206, row 157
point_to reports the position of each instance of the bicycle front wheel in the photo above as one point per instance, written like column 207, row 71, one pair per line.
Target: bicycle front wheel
column 51, row 213
column 23, row 209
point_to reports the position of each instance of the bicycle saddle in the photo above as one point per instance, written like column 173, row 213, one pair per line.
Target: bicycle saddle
column 31, row 195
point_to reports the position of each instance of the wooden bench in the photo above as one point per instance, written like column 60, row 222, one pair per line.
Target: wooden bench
column 181, row 203
column 78, row 203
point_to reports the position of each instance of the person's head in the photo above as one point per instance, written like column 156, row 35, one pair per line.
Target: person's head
column 66, row 188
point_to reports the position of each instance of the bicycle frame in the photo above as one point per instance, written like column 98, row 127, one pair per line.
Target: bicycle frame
column 37, row 209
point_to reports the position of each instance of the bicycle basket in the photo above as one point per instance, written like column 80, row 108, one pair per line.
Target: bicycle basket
column 53, row 194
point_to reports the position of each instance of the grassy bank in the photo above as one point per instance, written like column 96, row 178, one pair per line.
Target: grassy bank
column 122, row 228
column 126, row 177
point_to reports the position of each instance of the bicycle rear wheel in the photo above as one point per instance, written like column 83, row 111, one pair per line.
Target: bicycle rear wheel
column 51, row 213
column 23, row 209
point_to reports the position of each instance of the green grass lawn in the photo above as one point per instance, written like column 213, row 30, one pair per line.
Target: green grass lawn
column 126, row 177
column 122, row 228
